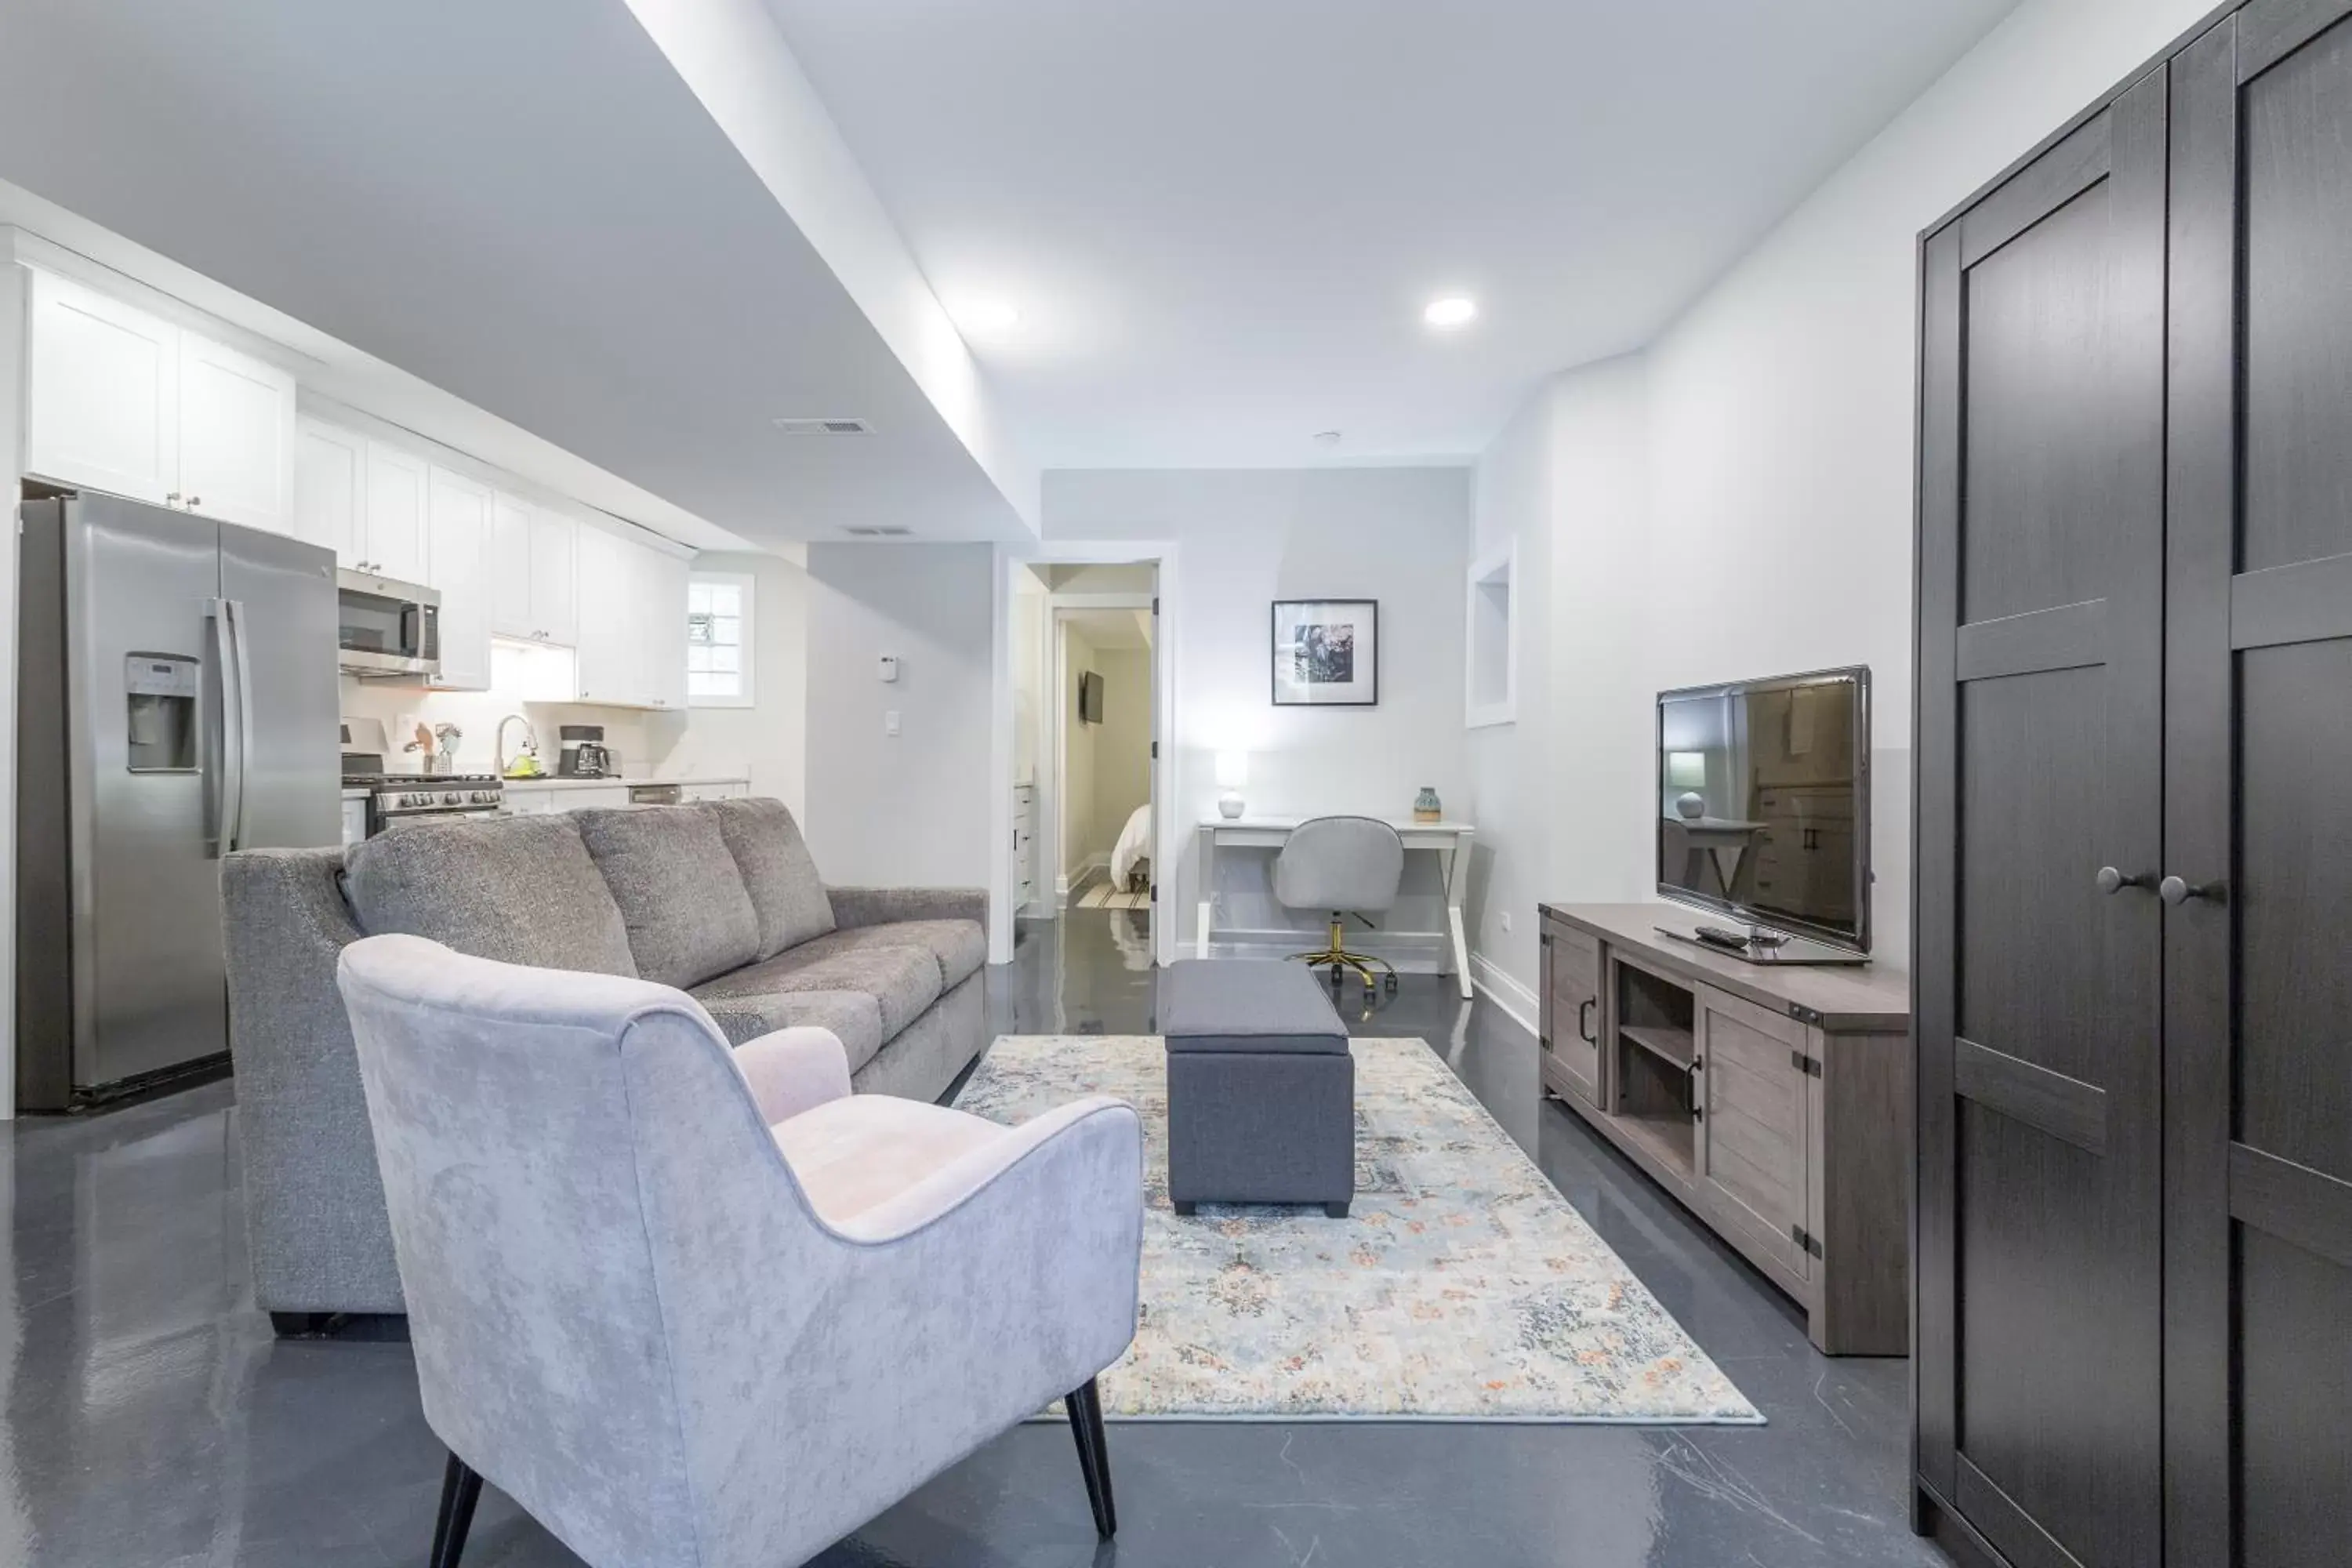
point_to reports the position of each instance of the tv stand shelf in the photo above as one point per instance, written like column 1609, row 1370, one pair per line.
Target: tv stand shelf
column 1775, row 1104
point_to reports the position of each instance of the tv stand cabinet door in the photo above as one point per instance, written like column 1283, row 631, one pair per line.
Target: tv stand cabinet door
column 1756, row 1130
column 1572, row 1006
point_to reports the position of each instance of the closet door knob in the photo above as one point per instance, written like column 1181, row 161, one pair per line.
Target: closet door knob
column 2173, row 891
column 2112, row 881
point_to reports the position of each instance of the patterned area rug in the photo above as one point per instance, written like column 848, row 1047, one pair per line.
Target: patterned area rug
column 1461, row 1288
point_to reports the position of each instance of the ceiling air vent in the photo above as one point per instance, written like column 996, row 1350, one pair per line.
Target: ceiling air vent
column 871, row 532
column 824, row 426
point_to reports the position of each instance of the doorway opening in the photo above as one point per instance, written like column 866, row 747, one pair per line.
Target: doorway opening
column 1085, row 725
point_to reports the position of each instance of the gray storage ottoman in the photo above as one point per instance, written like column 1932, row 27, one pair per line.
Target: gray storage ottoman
column 1261, row 1088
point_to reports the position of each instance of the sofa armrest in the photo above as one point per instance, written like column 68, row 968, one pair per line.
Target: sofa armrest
column 318, row 1232
column 855, row 907
column 1098, row 1134
column 793, row 1070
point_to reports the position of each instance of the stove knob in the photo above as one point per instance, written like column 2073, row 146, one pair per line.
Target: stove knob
column 452, row 798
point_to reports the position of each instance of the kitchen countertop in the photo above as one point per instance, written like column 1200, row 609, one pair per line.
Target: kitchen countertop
column 623, row 781
column 360, row 794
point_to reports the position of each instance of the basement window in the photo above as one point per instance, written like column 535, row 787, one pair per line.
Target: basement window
column 719, row 640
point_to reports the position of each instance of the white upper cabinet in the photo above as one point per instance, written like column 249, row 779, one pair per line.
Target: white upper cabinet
column 662, row 631
column 534, row 595
column 554, row 586
column 119, row 400
column 103, row 394
column 237, row 436
column 331, row 488
column 459, row 554
column 611, row 653
column 632, row 619
column 392, row 540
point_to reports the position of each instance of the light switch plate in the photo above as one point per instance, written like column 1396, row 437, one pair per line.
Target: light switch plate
column 890, row 722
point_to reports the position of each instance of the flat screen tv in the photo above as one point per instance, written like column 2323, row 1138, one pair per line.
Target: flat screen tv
column 1090, row 698
column 1763, row 803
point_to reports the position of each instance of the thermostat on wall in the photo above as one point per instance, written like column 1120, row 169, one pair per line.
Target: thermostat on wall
column 889, row 667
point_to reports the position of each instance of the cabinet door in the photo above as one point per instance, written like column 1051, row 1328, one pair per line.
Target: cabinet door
column 396, row 504
column 1756, row 1096
column 237, row 436
column 1571, row 979
column 2258, row 690
column 329, row 488
column 457, row 554
column 103, row 394
column 661, row 628
column 511, row 613
column 2042, row 526
column 610, row 650
column 554, row 592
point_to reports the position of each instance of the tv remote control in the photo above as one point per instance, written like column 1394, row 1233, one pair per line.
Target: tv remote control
column 1715, row 936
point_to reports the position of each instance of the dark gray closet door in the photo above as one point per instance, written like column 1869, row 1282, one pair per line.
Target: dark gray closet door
column 2258, row 954
column 2040, row 763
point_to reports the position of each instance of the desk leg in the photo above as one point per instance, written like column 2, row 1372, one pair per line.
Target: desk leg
column 1453, row 880
column 1208, row 859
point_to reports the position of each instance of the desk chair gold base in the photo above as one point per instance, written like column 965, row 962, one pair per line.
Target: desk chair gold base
column 1336, row 957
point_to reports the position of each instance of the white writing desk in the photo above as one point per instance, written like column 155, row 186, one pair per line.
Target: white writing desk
column 1450, row 839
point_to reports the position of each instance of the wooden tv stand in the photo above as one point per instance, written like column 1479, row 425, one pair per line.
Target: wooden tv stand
column 1774, row 1102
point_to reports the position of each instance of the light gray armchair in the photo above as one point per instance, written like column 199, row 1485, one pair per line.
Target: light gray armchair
column 699, row 1307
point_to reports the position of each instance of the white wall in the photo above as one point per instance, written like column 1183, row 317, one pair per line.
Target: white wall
column 1561, row 792
column 1077, row 797
column 1122, row 743
column 1245, row 538
column 11, row 465
column 1776, row 427
column 911, row 809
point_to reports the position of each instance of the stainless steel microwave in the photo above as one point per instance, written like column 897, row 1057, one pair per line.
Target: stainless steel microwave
column 385, row 626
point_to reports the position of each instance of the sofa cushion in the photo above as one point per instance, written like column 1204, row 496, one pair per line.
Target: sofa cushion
column 679, row 892
column 903, row 981
column 855, row 1017
column 777, row 870
column 517, row 890
column 959, row 947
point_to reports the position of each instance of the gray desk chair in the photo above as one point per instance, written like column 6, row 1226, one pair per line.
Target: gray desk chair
column 1347, row 865
column 691, row 1307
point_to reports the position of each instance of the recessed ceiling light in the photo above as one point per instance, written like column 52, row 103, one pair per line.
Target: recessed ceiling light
column 991, row 317
column 1454, row 310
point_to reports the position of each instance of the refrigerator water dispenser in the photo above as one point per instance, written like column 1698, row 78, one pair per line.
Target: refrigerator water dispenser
column 162, row 721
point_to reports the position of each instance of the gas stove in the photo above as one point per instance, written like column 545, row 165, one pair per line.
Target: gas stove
column 394, row 799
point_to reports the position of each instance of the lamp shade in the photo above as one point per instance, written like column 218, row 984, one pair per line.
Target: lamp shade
column 1233, row 769
column 1687, row 770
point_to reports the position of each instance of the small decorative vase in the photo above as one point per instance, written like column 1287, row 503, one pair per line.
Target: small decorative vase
column 1425, row 808
column 1229, row 805
column 1693, row 806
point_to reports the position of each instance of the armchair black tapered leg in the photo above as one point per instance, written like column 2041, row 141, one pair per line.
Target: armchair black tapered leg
column 461, row 1488
column 1085, row 1406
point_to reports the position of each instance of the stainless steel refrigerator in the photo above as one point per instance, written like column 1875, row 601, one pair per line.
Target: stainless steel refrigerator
column 177, row 697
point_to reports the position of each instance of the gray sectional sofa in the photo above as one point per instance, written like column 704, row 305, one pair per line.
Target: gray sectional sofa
column 720, row 899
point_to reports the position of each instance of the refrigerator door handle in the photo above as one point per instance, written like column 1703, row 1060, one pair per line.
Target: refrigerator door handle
column 245, row 741
column 227, row 759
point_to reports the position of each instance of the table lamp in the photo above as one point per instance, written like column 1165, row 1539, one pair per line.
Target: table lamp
column 1232, row 771
column 1686, row 771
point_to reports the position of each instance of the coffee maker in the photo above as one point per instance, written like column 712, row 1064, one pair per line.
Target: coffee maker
column 582, row 754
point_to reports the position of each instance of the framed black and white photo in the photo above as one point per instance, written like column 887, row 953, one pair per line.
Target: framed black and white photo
column 1326, row 653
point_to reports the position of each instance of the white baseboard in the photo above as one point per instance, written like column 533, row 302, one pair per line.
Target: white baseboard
column 1514, row 999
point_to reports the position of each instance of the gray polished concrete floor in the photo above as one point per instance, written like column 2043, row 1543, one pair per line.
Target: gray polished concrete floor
column 148, row 1417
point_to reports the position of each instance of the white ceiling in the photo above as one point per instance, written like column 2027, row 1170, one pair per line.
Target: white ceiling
column 1221, row 219
column 1111, row 631
column 521, row 203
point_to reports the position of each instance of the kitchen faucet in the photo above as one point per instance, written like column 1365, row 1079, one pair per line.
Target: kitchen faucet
column 529, row 741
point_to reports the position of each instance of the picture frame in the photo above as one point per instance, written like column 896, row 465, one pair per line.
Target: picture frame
column 1325, row 653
